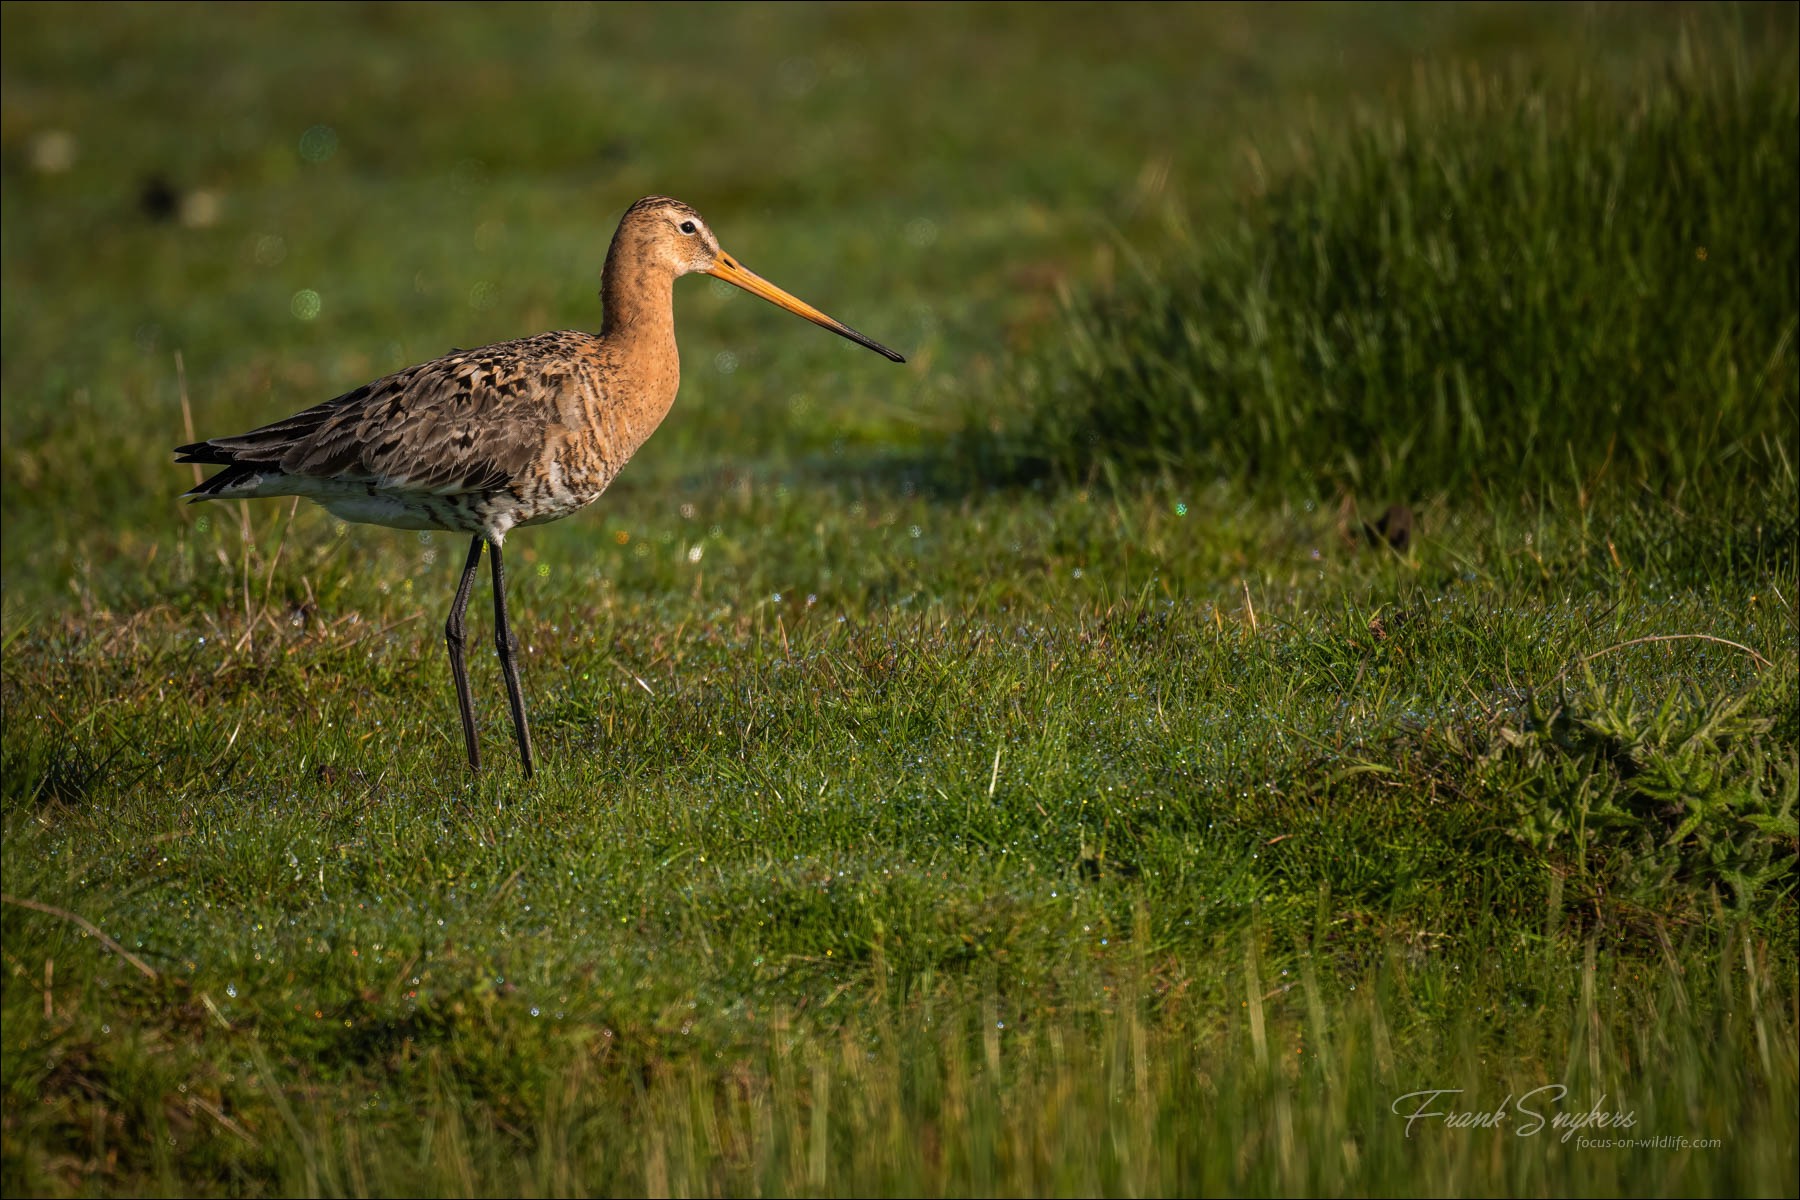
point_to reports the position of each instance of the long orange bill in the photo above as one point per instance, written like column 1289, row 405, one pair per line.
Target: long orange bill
column 730, row 270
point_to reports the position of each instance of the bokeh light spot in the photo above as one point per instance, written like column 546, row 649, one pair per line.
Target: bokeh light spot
column 318, row 143
column 270, row 249
column 921, row 232
column 54, row 151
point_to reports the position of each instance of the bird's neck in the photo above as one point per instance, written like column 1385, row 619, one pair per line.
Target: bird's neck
column 638, row 330
column 639, row 303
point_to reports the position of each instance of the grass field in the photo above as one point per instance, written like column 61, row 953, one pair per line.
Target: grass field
column 1023, row 771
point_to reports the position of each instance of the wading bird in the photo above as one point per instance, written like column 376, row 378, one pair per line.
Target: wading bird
column 519, row 433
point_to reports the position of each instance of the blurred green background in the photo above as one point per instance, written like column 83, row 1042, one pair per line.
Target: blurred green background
column 176, row 176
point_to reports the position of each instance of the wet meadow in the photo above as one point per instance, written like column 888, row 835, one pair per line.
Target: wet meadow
column 1291, row 689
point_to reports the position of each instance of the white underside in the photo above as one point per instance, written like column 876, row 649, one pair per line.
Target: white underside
column 378, row 510
column 356, row 503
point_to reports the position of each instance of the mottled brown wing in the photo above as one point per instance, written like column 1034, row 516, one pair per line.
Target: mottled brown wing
column 468, row 422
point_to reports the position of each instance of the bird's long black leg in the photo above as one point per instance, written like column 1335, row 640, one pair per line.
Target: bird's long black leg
column 503, row 642
column 453, row 638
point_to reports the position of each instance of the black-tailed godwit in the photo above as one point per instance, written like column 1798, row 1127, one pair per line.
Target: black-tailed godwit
column 519, row 433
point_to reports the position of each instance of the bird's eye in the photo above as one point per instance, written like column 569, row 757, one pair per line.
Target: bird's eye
column 687, row 227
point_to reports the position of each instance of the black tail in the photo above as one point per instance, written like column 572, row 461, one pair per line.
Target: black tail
column 236, row 470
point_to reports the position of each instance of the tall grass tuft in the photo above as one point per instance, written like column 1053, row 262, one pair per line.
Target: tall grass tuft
column 1286, row 1090
column 1505, row 285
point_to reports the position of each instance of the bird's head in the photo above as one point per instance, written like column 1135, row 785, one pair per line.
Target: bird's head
column 666, row 234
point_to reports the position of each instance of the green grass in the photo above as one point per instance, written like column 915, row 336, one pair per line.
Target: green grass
column 911, row 818
column 1501, row 287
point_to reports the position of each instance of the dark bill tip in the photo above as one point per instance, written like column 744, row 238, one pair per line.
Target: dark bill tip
column 871, row 343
